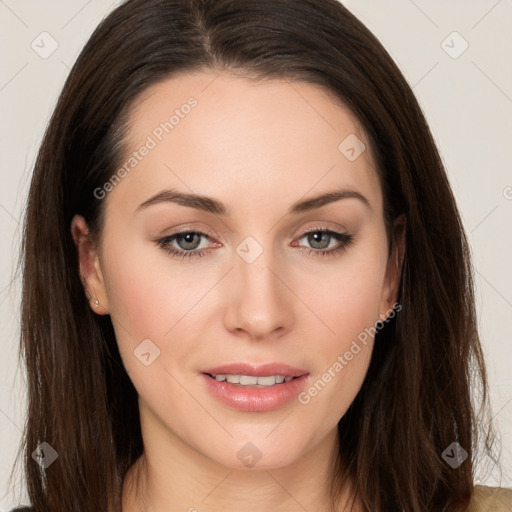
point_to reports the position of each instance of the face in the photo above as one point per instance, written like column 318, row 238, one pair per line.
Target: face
column 253, row 274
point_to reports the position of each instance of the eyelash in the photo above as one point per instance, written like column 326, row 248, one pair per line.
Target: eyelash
column 345, row 238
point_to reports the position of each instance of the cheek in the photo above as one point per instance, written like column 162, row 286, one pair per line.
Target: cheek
column 149, row 297
column 349, row 305
column 346, row 295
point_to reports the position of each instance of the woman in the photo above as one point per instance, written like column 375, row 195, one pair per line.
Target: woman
column 246, row 283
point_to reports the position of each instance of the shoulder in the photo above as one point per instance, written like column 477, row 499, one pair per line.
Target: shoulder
column 497, row 499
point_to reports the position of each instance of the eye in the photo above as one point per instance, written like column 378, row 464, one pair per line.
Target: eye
column 320, row 241
column 187, row 241
column 185, row 244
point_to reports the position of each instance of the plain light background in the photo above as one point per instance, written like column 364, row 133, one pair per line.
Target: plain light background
column 466, row 94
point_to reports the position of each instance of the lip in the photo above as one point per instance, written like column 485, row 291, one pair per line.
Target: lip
column 255, row 399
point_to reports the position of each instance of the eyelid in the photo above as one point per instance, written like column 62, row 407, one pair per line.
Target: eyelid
column 190, row 229
column 314, row 229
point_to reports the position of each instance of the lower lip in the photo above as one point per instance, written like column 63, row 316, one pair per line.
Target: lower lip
column 252, row 399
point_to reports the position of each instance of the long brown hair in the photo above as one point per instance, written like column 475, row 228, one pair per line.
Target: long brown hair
column 415, row 401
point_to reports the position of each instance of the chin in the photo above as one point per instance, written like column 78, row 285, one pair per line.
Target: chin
column 258, row 453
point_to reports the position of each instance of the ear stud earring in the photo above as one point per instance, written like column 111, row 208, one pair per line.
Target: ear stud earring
column 96, row 303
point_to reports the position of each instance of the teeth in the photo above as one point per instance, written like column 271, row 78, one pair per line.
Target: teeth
column 247, row 380
column 251, row 380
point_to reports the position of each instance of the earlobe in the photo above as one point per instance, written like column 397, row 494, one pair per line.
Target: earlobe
column 89, row 266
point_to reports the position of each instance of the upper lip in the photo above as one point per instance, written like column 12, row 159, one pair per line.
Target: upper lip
column 257, row 370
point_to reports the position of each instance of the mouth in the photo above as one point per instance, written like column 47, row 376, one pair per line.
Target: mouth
column 255, row 388
column 246, row 374
column 252, row 380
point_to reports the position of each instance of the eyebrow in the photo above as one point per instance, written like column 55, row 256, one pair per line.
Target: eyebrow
column 211, row 205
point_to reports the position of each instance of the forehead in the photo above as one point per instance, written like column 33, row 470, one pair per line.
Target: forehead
column 253, row 140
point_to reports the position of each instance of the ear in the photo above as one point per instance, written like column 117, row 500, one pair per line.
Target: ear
column 89, row 266
column 394, row 268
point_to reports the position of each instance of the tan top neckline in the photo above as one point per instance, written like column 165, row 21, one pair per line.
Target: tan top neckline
column 491, row 499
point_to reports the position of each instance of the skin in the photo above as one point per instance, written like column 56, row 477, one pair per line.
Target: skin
column 258, row 148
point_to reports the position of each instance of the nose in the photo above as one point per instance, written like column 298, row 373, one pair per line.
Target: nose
column 259, row 305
